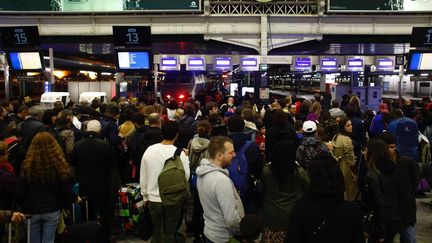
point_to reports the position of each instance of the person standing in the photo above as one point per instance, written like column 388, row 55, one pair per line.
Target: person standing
column 93, row 159
column 409, row 176
column 343, row 150
column 284, row 182
column 323, row 215
column 223, row 209
column 165, row 218
column 44, row 186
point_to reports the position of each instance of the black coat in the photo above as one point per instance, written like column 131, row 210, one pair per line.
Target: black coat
column 39, row 199
column 409, row 177
column 382, row 194
column 343, row 220
column 93, row 159
column 186, row 131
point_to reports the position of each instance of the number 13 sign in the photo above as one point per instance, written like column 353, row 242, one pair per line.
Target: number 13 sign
column 132, row 36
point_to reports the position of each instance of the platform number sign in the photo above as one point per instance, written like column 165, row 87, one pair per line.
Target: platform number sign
column 139, row 36
column 421, row 37
column 19, row 37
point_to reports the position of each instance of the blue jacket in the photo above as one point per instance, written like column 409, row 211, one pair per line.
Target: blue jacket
column 377, row 126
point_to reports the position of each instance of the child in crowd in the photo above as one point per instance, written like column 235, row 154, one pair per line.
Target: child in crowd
column 250, row 230
column 298, row 126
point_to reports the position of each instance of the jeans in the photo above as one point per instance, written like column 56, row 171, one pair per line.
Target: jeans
column 43, row 227
column 408, row 235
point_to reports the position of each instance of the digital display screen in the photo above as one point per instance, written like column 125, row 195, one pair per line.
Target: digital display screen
column 223, row 62
column 329, row 63
column 303, row 62
column 249, row 62
column 196, row 62
column 133, row 60
column 420, row 62
column 25, row 60
column 169, row 61
column 385, row 64
column 355, row 63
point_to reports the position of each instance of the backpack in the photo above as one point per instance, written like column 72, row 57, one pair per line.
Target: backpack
column 173, row 185
column 195, row 158
column 239, row 170
column 406, row 132
column 306, row 153
column 56, row 133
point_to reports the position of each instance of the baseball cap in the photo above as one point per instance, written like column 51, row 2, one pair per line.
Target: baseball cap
column 384, row 108
column 309, row 126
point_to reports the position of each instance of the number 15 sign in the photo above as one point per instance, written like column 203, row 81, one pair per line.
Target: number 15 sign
column 19, row 37
column 139, row 36
column 421, row 37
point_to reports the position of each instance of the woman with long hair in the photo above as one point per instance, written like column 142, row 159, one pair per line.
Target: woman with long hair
column 343, row 150
column 323, row 215
column 314, row 112
column 381, row 193
column 64, row 132
column 284, row 182
column 44, row 186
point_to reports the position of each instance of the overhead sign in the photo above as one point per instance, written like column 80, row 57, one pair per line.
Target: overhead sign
column 132, row 36
column 329, row 64
column 303, row 64
column 19, row 37
column 91, row 6
column 223, row 63
column 355, row 64
column 249, row 64
column 421, row 37
column 196, row 63
column 169, row 63
column 379, row 6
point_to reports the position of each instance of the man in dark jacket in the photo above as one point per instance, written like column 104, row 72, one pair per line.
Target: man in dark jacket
column 253, row 156
column 186, row 126
column 109, row 125
column 134, row 143
column 93, row 159
column 29, row 128
column 408, row 175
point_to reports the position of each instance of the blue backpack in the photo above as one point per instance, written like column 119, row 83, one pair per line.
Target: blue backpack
column 239, row 170
column 406, row 132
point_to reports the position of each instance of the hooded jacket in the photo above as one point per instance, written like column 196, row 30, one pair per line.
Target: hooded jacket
column 198, row 149
column 223, row 209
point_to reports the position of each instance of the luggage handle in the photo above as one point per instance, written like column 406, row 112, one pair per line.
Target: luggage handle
column 28, row 217
column 87, row 212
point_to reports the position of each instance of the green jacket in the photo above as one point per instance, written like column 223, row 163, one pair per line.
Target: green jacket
column 279, row 199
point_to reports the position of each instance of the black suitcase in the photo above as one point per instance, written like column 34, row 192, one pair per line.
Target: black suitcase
column 84, row 232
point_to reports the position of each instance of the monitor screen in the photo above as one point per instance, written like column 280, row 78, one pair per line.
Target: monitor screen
column 25, row 60
column 355, row 63
column 420, row 61
column 133, row 60
column 303, row 63
column 329, row 63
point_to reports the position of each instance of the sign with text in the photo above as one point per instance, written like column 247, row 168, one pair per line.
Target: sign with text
column 379, row 6
column 421, row 37
column 19, row 37
column 132, row 36
column 91, row 6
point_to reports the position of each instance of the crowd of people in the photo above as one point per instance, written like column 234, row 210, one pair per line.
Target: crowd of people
column 292, row 170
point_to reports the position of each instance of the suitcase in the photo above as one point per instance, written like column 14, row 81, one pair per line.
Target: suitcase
column 133, row 214
column 84, row 232
column 28, row 217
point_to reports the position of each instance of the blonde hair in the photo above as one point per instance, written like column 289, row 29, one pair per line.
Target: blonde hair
column 126, row 128
column 316, row 108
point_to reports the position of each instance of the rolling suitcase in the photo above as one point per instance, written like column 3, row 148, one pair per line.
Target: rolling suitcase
column 28, row 217
column 84, row 232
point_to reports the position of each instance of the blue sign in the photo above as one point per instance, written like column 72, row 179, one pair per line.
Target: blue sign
column 128, row 60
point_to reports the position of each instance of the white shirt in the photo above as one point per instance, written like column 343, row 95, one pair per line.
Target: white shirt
column 152, row 164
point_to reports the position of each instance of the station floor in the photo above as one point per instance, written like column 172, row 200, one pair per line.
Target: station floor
column 423, row 226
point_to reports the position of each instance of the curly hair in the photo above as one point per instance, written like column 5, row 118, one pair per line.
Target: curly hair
column 45, row 161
